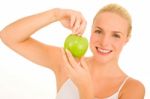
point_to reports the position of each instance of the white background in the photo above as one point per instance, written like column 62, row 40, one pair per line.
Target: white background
column 22, row 79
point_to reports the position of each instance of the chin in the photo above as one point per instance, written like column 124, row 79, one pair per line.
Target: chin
column 102, row 60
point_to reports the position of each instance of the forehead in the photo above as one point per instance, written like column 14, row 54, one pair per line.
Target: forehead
column 110, row 20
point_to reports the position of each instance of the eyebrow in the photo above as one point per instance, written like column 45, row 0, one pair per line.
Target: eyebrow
column 118, row 32
column 99, row 28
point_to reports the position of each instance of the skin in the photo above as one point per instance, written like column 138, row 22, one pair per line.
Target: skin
column 101, row 71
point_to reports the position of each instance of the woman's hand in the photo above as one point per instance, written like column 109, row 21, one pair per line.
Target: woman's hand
column 72, row 20
column 79, row 73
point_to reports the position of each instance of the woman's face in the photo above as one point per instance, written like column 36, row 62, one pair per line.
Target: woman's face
column 109, row 35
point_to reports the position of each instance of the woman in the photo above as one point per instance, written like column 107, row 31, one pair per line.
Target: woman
column 95, row 77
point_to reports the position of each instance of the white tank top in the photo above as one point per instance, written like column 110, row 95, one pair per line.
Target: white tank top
column 70, row 91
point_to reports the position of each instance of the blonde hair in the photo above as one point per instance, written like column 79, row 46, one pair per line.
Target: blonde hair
column 117, row 9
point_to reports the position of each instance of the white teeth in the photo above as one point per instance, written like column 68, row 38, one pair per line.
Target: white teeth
column 103, row 51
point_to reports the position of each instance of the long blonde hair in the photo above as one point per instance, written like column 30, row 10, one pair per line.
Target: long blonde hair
column 117, row 9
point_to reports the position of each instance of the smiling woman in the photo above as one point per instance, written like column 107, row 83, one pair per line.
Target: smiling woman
column 100, row 74
column 109, row 38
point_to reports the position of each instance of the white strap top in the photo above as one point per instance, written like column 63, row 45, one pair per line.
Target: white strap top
column 70, row 91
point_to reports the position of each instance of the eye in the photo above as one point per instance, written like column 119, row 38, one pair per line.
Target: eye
column 98, row 31
column 116, row 35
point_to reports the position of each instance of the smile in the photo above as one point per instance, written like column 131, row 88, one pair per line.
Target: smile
column 103, row 51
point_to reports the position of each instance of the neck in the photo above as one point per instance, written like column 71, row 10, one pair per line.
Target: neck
column 108, row 69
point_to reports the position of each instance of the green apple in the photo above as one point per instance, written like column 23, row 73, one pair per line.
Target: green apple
column 77, row 45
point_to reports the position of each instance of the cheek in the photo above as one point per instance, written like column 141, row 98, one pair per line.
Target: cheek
column 93, row 38
column 92, row 41
column 119, row 46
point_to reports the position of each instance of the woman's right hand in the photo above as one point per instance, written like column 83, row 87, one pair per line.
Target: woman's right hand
column 72, row 20
column 17, row 35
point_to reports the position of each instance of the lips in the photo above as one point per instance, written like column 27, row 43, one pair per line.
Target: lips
column 103, row 51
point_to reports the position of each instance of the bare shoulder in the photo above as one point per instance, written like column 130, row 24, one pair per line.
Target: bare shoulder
column 133, row 89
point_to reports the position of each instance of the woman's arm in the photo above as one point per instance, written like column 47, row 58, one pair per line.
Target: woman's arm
column 18, row 35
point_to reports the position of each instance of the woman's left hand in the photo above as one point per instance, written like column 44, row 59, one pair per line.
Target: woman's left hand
column 78, row 72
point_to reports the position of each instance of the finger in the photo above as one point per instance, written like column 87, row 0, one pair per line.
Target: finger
column 84, row 64
column 82, row 27
column 76, row 25
column 67, row 65
column 64, row 57
column 72, row 21
column 71, row 59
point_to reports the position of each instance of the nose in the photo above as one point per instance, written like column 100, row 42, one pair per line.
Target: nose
column 104, row 40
